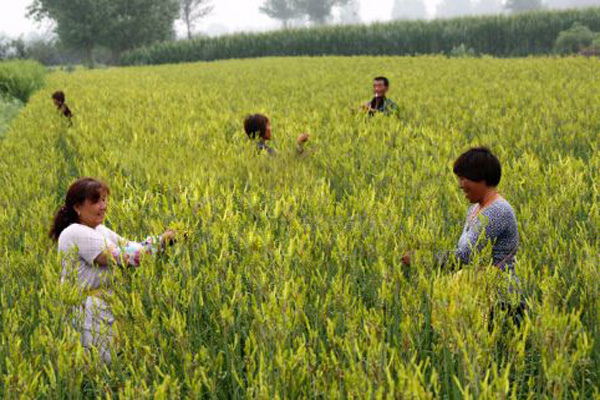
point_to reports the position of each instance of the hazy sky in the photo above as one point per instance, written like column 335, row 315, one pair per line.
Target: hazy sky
column 232, row 15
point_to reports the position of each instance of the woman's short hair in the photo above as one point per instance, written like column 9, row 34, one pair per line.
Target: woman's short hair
column 254, row 124
column 479, row 164
column 59, row 96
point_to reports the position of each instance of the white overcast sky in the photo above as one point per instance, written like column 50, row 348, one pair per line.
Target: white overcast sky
column 228, row 15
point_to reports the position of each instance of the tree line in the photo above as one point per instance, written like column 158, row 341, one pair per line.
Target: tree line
column 294, row 13
column 105, row 29
column 519, row 35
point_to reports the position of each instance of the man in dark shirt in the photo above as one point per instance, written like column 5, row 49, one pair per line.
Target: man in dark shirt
column 380, row 103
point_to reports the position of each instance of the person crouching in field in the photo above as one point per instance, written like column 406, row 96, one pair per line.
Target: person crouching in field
column 59, row 101
column 260, row 125
column 90, row 251
column 380, row 102
column 490, row 219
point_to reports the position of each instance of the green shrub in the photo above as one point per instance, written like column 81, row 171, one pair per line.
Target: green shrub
column 21, row 78
column 8, row 110
column 596, row 44
column 462, row 51
column 575, row 39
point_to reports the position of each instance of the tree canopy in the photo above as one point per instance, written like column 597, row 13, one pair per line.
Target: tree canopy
column 115, row 24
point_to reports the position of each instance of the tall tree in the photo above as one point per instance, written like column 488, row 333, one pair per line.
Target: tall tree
column 453, row 8
column 190, row 11
column 118, row 25
column 281, row 10
column 81, row 25
column 4, row 47
column 350, row 13
column 517, row 6
column 136, row 23
column 409, row 9
column 318, row 11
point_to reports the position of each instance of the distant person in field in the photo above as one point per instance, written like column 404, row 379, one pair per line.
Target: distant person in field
column 259, row 126
column 380, row 102
column 59, row 101
column 90, row 251
column 490, row 219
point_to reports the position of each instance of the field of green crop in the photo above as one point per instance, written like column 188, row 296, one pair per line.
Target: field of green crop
column 289, row 283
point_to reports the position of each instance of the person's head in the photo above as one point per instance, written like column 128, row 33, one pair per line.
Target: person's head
column 258, row 124
column 85, row 203
column 58, row 98
column 478, row 172
column 381, row 85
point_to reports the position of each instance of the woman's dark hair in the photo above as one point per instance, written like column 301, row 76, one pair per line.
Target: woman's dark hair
column 59, row 96
column 386, row 81
column 81, row 190
column 479, row 164
column 256, row 123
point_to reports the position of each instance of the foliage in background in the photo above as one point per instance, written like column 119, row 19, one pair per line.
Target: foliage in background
column 50, row 51
column 462, row 52
column 135, row 23
column 19, row 79
column 118, row 25
column 318, row 12
column 575, row 39
column 9, row 108
column 191, row 11
column 504, row 36
column 350, row 13
column 281, row 10
column 81, row 25
column 290, row 282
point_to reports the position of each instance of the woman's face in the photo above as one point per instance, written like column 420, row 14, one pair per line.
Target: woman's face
column 474, row 191
column 56, row 102
column 92, row 213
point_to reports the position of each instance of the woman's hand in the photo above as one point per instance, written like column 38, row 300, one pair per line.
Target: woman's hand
column 111, row 254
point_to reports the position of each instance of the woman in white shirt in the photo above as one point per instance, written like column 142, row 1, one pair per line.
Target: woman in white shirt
column 89, row 251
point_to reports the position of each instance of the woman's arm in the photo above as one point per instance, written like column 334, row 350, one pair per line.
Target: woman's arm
column 111, row 254
column 130, row 253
